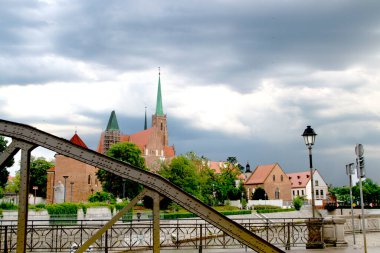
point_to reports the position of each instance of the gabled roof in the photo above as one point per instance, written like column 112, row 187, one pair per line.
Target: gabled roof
column 260, row 174
column 299, row 179
column 78, row 141
column 112, row 122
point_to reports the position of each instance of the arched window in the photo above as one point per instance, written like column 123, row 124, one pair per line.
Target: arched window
column 89, row 179
column 274, row 178
column 282, row 178
column 277, row 193
column 162, row 126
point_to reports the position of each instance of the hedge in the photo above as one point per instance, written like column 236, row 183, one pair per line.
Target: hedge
column 278, row 210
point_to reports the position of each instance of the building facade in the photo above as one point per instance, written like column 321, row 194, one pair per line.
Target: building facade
column 272, row 179
column 301, row 186
column 71, row 180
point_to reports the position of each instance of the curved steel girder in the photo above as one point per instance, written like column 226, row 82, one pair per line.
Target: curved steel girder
column 146, row 178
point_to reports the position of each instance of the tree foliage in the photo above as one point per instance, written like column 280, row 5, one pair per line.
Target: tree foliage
column 4, row 173
column 13, row 185
column 193, row 175
column 38, row 175
column 128, row 153
column 371, row 193
column 259, row 193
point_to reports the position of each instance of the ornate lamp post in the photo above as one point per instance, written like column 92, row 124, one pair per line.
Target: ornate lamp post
column 64, row 193
column 309, row 138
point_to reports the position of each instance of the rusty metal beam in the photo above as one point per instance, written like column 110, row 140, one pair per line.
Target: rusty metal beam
column 146, row 178
column 9, row 152
column 156, row 220
column 22, row 222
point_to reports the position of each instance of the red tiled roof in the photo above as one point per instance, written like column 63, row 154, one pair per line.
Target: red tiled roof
column 169, row 151
column 260, row 174
column 299, row 179
column 51, row 169
column 141, row 138
column 78, row 141
column 217, row 166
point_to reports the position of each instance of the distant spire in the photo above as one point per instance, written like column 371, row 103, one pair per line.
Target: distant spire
column 112, row 122
column 146, row 122
column 159, row 110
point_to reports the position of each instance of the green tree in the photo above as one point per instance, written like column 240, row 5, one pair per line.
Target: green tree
column 4, row 173
column 129, row 153
column 259, row 193
column 226, row 183
column 14, row 184
column 183, row 173
column 38, row 175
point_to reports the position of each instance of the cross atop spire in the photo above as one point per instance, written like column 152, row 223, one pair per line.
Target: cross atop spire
column 159, row 109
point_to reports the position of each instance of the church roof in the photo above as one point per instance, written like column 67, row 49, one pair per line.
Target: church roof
column 78, row 141
column 169, row 151
column 112, row 122
column 159, row 108
column 260, row 174
column 141, row 138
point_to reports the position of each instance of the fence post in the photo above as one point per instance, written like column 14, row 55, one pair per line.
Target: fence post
column 200, row 242
column 287, row 247
column 106, row 242
column 6, row 240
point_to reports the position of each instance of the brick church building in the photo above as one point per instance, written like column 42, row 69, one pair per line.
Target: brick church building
column 73, row 181
column 153, row 141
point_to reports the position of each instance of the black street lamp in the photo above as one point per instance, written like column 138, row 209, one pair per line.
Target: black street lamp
column 71, row 191
column 309, row 138
column 64, row 193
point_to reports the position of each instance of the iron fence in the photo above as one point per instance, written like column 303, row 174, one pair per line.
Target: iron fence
column 61, row 235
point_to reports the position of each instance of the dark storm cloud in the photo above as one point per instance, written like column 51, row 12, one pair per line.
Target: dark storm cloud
column 236, row 43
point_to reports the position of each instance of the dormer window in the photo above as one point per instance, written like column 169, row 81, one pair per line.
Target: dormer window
column 307, row 176
column 298, row 177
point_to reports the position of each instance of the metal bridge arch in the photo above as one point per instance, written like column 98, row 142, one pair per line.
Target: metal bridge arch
column 26, row 138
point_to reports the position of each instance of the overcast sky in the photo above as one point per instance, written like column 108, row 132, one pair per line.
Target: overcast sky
column 239, row 78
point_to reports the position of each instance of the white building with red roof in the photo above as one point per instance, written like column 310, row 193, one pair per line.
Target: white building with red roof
column 301, row 186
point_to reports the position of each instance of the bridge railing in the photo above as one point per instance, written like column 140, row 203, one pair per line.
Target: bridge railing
column 61, row 235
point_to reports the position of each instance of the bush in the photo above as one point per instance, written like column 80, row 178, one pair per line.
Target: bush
column 278, row 210
column 8, row 206
column 102, row 197
column 297, row 203
column 265, row 207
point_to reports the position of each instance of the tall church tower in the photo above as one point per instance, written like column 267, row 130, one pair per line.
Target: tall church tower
column 112, row 133
column 159, row 118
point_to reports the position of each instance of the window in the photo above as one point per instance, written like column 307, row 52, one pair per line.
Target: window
column 298, row 192
column 322, row 194
column 317, row 193
column 277, row 194
column 162, row 126
column 274, row 178
column 146, row 152
column 294, row 193
column 316, row 183
column 282, row 178
column 303, row 193
column 89, row 179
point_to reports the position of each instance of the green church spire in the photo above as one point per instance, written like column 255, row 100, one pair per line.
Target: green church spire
column 159, row 109
column 112, row 122
column 146, row 121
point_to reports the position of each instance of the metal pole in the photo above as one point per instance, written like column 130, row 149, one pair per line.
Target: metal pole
column 64, row 193
column 363, row 217
column 352, row 209
column 312, row 181
column 71, row 191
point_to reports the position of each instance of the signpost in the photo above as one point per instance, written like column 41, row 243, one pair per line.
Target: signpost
column 359, row 151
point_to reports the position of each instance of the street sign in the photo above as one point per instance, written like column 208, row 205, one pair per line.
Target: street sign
column 35, row 187
column 359, row 150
